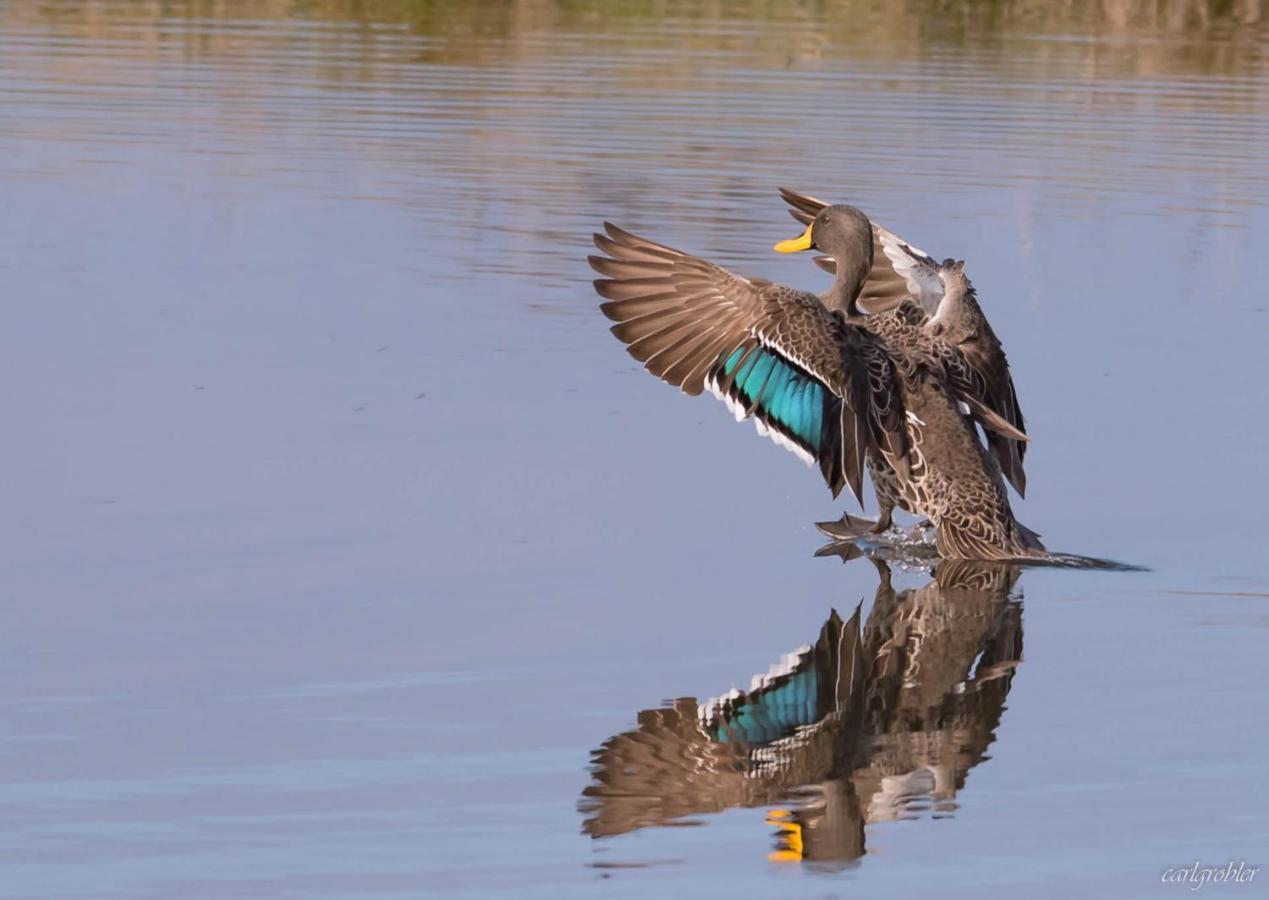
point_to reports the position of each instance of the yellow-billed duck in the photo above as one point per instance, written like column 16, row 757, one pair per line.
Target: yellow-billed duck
column 822, row 379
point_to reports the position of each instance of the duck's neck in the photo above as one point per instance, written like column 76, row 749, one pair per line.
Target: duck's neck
column 846, row 286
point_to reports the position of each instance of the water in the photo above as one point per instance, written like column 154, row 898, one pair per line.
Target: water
column 338, row 532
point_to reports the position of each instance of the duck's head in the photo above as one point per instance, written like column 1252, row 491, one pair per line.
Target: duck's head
column 845, row 234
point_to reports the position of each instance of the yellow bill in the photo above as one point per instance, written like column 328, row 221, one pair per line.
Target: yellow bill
column 796, row 244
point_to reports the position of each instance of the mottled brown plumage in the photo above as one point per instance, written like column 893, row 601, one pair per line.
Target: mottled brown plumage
column 952, row 481
column 955, row 483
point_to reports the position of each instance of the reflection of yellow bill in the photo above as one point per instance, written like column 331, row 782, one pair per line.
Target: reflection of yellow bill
column 790, row 835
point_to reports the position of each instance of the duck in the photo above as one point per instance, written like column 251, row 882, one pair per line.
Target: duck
column 821, row 376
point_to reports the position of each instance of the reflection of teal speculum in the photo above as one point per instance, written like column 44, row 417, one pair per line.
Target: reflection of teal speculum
column 762, row 717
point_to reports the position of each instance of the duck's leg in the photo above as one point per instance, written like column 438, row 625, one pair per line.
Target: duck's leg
column 885, row 487
column 885, row 521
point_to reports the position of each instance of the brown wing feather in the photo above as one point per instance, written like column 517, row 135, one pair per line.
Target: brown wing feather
column 672, row 307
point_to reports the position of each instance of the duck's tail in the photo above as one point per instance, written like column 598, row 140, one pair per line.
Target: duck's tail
column 1028, row 538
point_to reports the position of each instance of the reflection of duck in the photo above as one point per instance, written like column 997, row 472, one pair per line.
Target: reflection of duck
column 865, row 725
column 833, row 386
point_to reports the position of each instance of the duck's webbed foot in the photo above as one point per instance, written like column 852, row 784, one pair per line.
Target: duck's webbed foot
column 849, row 527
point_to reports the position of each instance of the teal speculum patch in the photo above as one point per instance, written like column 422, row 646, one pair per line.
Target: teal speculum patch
column 788, row 396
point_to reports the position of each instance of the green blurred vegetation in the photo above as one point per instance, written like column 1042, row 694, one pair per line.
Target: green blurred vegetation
column 1139, row 36
column 506, row 16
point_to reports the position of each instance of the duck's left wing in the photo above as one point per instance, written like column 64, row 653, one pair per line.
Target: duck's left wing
column 822, row 388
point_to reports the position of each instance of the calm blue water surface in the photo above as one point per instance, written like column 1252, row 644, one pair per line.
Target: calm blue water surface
column 337, row 532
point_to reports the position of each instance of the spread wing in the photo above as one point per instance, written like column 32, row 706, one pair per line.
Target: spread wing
column 898, row 270
column 823, row 388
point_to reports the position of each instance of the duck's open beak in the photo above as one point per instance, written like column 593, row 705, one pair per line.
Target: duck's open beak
column 797, row 243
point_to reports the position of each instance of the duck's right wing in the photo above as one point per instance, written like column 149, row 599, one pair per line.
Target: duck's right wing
column 823, row 388
column 899, row 269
